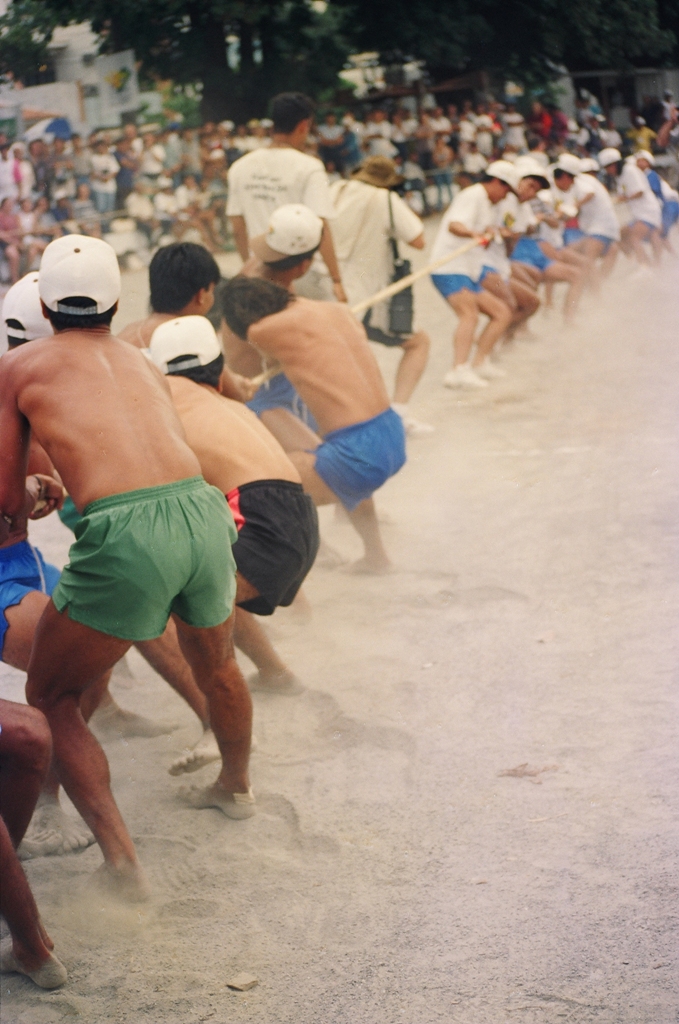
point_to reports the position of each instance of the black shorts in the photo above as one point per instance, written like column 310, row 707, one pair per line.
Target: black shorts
column 382, row 337
column 277, row 540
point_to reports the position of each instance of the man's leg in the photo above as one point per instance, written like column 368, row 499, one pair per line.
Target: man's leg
column 576, row 280
column 363, row 517
column 25, row 751
column 290, row 432
column 164, row 655
column 410, row 369
column 67, row 659
column 211, row 655
column 465, row 305
column 500, row 318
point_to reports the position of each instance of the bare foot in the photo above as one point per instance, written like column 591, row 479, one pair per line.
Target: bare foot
column 126, row 882
column 327, row 557
column 54, row 832
column 112, row 723
column 50, row 974
column 234, row 805
column 284, row 681
column 205, row 752
column 370, row 567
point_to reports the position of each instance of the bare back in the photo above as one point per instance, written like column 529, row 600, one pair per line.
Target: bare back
column 231, row 444
column 100, row 410
column 325, row 354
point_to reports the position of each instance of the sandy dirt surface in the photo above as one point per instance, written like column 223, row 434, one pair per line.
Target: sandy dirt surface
column 402, row 866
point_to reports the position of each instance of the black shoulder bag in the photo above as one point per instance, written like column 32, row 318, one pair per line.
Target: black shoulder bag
column 401, row 304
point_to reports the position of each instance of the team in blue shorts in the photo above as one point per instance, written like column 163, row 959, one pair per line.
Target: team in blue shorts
column 22, row 570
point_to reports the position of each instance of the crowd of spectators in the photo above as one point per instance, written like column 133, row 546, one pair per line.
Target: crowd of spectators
column 170, row 183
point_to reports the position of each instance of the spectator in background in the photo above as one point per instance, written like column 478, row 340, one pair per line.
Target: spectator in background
column 331, row 142
column 152, row 158
column 399, row 133
column 377, row 136
column 61, row 169
column 473, row 162
column 424, row 141
column 669, row 107
column 190, row 149
column 139, row 206
column 81, row 159
column 640, row 135
column 10, row 237
column 38, row 155
column 351, row 149
column 485, row 128
column 85, row 213
column 165, row 204
column 466, row 130
column 105, row 170
column 515, row 128
column 129, row 165
column 439, row 123
column 173, row 160
column 539, row 121
column 9, row 186
column 610, row 136
column 442, row 170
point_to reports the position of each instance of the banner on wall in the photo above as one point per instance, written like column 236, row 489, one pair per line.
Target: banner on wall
column 118, row 86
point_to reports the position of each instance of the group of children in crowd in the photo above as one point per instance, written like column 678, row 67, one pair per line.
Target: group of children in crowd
column 189, row 454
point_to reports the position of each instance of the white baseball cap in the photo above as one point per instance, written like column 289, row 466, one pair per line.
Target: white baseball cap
column 570, row 163
column 588, row 164
column 191, row 338
column 77, row 265
column 643, row 154
column 293, row 229
column 526, row 167
column 22, row 304
column 609, row 156
column 504, row 171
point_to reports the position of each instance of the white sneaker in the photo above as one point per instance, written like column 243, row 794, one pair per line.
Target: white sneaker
column 489, row 370
column 412, row 427
column 463, row 376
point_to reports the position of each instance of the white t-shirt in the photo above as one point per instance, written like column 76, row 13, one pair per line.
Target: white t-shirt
column 441, row 125
column 466, row 131
column 647, row 207
column 104, row 163
column 474, row 163
column 166, row 204
column 361, row 231
column 262, row 181
column 153, row 159
column 515, row 130
column 597, row 216
column 472, row 208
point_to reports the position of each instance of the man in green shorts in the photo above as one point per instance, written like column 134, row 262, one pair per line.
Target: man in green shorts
column 154, row 540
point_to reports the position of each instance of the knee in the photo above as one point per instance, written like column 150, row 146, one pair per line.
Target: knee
column 418, row 341
column 31, row 741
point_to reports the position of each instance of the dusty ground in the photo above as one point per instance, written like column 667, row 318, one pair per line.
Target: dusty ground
column 394, row 873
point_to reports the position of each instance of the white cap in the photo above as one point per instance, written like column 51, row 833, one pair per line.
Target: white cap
column 22, row 303
column 587, row 164
column 503, row 171
column 569, row 163
column 643, row 154
column 609, row 156
column 190, row 336
column 79, row 265
column 293, row 229
column 526, row 167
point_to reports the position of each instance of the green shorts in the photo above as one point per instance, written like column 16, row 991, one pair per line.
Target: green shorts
column 141, row 555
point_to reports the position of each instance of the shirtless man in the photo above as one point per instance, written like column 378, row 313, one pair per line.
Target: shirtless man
column 25, row 751
column 26, row 584
column 325, row 354
column 103, row 415
column 276, row 521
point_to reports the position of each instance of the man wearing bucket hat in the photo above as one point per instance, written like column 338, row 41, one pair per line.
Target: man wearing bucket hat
column 107, row 423
column 634, row 191
column 369, row 222
column 470, row 216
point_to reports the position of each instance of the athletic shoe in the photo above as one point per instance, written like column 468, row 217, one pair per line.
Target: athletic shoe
column 463, row 376
column 412, row 427
column 489, row 370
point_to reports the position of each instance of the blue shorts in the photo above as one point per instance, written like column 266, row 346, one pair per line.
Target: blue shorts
column 22, row 570
column 571, row 235
column 670, row 215
column 528, row 251
column 607, row 242
column 278, row 393
column 449, row 284
column 354, row 461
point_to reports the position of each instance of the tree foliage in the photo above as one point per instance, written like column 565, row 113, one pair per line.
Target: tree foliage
column 25, row 30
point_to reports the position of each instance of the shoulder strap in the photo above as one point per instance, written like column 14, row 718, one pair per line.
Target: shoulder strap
column 392, row 232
